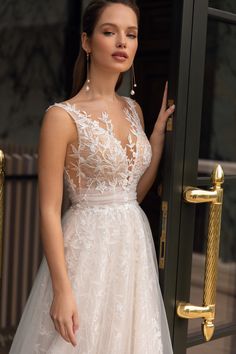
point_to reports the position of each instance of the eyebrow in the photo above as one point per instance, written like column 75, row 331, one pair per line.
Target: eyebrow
column 114, row 25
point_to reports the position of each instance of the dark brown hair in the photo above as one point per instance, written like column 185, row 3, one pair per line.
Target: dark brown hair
column 90, row 19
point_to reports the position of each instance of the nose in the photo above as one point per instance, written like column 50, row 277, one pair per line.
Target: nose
column 121, row 43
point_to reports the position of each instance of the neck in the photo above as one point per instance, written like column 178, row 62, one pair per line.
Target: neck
column 102, row 85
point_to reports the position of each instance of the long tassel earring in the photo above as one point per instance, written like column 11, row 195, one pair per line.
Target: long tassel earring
column 87, row 88
column 132, row 92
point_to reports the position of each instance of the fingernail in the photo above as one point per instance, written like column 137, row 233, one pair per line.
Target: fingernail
column 173, row 106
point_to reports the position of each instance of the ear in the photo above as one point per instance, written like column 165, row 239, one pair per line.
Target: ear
column 85, row 42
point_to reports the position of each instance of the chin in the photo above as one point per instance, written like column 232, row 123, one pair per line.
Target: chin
column 120, row 67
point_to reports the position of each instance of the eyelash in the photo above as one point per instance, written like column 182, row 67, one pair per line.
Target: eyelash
column 109, row 32
column 132, row 36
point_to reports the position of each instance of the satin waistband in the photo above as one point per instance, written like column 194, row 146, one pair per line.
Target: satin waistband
column 93, row 198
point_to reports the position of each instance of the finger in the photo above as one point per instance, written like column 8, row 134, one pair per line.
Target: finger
column 56, row 325
column 75, row 319
column 66, row 335
column 71, row 336
column 164, row 99
column 164, row 117
column 62, row 331
column 170, row 110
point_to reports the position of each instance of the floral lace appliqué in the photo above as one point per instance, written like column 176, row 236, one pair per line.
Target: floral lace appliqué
column 99, row 161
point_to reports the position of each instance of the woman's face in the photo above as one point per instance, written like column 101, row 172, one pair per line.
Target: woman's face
column 115, row 31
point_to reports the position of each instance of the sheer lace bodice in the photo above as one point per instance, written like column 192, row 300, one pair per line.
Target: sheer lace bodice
column 98, row 162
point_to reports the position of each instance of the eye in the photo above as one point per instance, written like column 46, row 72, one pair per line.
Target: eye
column 131, row 35
column 108, row 33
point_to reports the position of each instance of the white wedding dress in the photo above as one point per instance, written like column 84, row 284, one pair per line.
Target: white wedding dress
column 109, row 249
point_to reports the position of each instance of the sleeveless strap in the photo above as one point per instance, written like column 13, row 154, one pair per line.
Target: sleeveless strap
column 132, row 105
column 69, row 109
column 72, row 114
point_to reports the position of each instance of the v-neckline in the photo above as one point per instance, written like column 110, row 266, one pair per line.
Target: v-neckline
column 131, row 161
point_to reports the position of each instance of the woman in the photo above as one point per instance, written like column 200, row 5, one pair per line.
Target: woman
column 97, row 288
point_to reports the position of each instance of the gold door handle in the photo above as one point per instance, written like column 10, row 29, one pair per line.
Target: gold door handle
column 215, row 197
column 2, row 176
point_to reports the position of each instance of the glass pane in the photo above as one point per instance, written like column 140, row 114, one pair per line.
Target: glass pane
column 218, row 126
column 226, row 5
column 220, row 346
column 226, row 282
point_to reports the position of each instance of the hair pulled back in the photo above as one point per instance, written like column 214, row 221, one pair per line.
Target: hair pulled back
column 90, row 18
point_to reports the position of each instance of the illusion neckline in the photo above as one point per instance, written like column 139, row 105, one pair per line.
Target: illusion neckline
column 74, row 106
column 131, row 161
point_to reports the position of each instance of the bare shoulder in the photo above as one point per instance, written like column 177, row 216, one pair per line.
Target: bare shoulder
column 57, row 121
column 56, row 114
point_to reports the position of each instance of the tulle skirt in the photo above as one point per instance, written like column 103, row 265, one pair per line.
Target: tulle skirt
column 112, row 265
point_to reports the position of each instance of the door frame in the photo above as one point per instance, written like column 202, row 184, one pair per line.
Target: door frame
column 186, row 83
column 174, row 153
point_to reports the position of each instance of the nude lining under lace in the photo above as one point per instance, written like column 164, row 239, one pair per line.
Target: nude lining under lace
column 109, row 128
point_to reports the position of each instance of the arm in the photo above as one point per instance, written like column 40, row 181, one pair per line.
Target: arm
column 157, row 143
column 56, row 132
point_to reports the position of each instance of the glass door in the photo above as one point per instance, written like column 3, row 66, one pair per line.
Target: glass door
column 203, row 135
column 217, row 145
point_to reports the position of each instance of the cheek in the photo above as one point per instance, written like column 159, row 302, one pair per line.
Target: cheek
column 101, row 44
column 134, row 47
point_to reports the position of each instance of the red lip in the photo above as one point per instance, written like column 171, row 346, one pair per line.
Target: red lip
column 120, row 54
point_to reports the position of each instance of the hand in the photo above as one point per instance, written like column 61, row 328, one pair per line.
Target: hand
column 160, row 125
column 65, row 316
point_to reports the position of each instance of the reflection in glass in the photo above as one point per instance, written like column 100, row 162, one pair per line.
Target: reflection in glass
column 226, row 282
column 218, row 126
column 226, row 5
column 205, row 167
column 220, row 346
